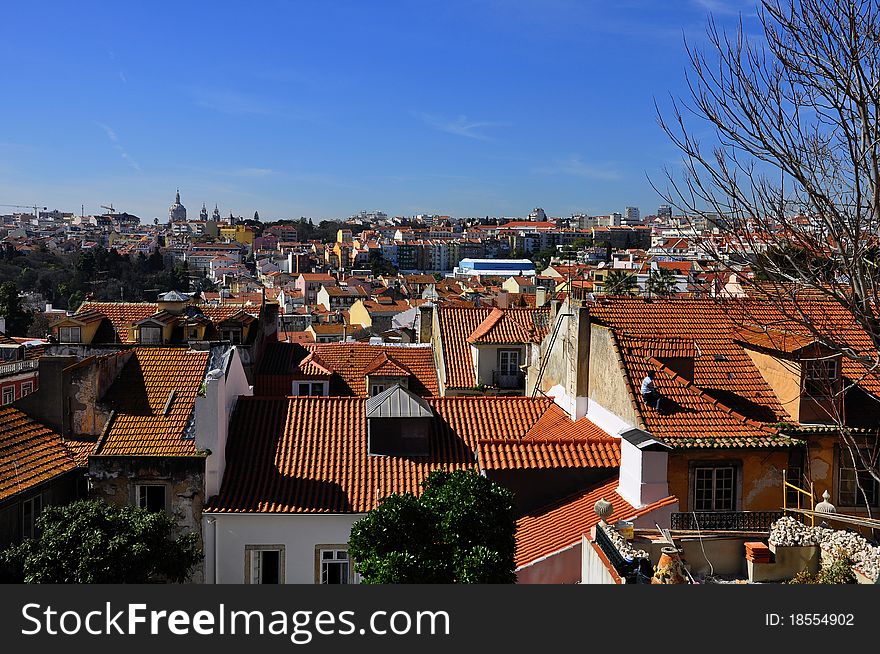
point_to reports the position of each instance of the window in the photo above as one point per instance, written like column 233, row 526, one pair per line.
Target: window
column 309, row 388
column 794, row 476
column 265, row 564
column 820, row 376
column 27, row 388
column 714, row 488
column 232, row 335
column 849, row 479
column 151, row 497
column 70, row 334
column 151, row 335
column 9, row 395
column 333, row 566
column 508, row 362
column 375, row 389
column 30, row 511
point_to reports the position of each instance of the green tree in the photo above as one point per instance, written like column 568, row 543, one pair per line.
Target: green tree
column 620, row 282
column 90, row 542
column 460, row 530
column 379, row 265
column 662, row 282
column 17, row 318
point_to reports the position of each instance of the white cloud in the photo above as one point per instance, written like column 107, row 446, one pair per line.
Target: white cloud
column 111, row 134
column 461, row 126
column 577, row 167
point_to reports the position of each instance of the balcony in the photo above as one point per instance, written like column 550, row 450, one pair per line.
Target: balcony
column 725, row 520
column 509, row 380
column 16, row 367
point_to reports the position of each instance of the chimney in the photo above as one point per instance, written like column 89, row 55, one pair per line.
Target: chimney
column 540, row 296
column 426, row 322
column 554, row 309
column 502, row 300
column 643, row 468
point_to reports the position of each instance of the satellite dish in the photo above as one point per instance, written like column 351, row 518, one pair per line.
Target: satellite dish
column 601, row 264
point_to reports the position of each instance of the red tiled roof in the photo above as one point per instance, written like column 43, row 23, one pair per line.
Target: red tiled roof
column 723, row 372
column 309, row 454
column 30, row 453
column 385, row 366
column 562, row 524
column 350, row 362
column 457, row 324
column 139, row 396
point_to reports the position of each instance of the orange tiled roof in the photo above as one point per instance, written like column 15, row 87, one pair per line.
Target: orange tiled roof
column 309, row 454
column 280, row 365
column 457, row 324
column 386, row 366
column 30, row 453
column 124, row 314
column 139, row 395
column 561, row 524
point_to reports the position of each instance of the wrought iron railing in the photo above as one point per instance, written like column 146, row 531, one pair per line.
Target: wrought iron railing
column 505, row 379
column 725, row 520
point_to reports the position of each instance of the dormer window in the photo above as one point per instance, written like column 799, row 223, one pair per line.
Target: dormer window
column 232, row 335
column 398, row 423
column 820, row 377
column 151, row 335
column 70, row 334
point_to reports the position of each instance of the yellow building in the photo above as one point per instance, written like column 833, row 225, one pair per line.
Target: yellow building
column 240, row 233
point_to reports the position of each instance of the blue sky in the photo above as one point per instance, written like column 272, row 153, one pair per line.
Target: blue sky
column 322, row 109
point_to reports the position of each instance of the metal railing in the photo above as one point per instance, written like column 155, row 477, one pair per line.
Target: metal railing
column 725, row 520
column 634, row 571
column 18, row 366
column 506, row 379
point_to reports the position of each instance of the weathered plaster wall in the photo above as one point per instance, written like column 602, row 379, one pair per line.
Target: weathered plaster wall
column 608, row 384
column 759, row 482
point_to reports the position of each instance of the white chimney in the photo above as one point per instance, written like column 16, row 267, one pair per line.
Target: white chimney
column 643, row 468
column 540, row 296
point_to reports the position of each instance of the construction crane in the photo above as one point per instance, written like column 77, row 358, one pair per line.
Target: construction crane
column 110, row 208
column 26, row 206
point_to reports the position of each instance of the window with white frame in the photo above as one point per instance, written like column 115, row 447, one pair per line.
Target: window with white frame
column 151, row 497
column 151, row 335
column 333, row 565
column 309, row 388
column 9, row 395
column 30, row 511
column 715, row 488
column 27, row 388
column 70, row 334
column 375, row 389
column 508, row 362
column 820, row 376
column 265, row 564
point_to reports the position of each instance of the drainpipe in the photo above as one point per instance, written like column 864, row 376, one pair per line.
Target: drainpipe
column 213, row 523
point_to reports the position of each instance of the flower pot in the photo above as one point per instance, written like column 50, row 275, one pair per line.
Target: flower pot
column 670, row 569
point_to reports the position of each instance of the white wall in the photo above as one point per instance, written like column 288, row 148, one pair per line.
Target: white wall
column 212, row 414
column 226, row 534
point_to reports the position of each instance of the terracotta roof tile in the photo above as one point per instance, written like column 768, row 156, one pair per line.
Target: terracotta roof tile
column 139, row 395
column 457, row 324
column 280, row 365
column 309, row 454
column 30, row 453
column 563, row 523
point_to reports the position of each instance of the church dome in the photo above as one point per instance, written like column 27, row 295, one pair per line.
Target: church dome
column 177, row 211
